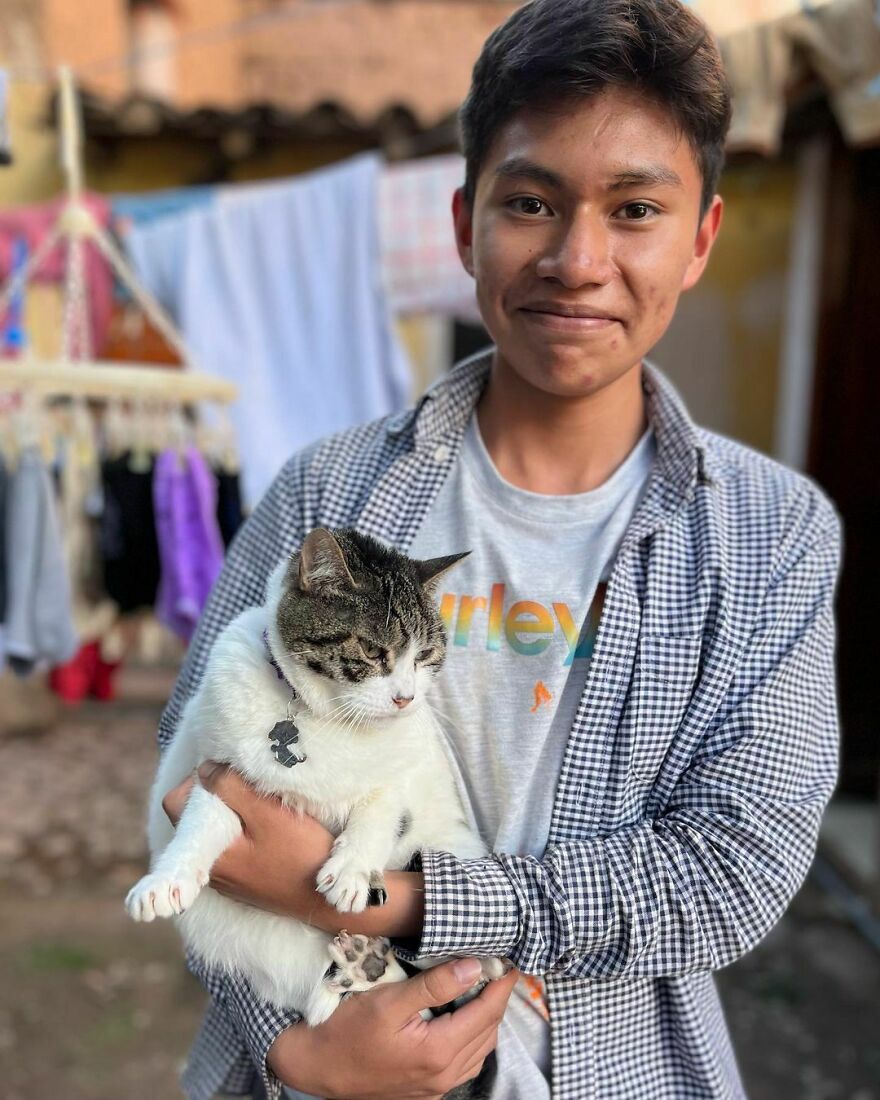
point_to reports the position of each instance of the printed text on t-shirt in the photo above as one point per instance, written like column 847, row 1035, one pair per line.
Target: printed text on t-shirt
column 529, row 627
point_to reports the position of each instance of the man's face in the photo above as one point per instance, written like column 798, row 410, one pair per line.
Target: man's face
column 585, row 228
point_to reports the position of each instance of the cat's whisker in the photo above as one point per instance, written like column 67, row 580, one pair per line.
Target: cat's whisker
column 339, row 714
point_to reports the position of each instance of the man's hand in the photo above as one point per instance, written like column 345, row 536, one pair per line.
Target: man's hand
column 274, row 865
column 377, row 1046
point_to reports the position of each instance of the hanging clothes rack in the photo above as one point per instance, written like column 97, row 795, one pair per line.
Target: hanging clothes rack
column 81, row 375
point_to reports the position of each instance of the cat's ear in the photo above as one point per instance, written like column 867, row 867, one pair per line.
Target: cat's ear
column 432, row 570
column 321, row 566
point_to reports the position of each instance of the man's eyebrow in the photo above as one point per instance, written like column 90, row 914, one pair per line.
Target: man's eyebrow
column 645, row 176
column 523, row 168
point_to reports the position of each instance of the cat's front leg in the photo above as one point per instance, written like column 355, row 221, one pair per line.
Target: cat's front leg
column 352, row 877
column 206, row 829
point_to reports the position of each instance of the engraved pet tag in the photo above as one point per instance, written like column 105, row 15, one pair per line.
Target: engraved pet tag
column 283, row 735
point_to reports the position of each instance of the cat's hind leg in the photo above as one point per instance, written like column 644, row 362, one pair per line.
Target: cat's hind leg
column 357, row 964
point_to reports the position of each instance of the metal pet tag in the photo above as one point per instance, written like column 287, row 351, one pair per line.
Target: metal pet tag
column 283, row 735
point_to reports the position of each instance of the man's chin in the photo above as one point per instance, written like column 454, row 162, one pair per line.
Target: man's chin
column 570, row 374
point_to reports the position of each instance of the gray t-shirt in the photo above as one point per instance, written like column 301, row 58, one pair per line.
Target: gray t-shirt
column 522, row 613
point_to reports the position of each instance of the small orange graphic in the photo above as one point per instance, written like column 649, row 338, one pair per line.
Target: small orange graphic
column 534, row 989
column 542, row 695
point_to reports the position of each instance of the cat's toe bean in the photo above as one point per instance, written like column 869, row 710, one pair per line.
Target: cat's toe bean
column 358, row 961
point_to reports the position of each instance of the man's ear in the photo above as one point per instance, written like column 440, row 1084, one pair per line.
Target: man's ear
column 706, row 236
column 463, row 224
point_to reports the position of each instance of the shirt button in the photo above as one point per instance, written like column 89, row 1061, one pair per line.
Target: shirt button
column 441, row 453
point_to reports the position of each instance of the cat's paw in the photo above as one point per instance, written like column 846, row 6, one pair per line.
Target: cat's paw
column 163, row 895
column 347, row 886
column 494, row 968
column 358, row 962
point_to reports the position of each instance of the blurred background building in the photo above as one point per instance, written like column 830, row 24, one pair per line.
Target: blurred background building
column 774, row 347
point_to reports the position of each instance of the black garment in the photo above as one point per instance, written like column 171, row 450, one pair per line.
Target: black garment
column 229, row 513
column 129, row 549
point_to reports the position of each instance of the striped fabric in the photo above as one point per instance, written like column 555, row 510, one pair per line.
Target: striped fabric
column 701, row 757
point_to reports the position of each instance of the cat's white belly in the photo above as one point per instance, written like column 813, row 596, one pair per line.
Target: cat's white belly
column 283, row 959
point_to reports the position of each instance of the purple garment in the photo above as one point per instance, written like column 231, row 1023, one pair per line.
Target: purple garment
column 190, row 545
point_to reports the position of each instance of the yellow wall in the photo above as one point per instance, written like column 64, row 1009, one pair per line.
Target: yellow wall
column 723, row 347
column 35, row 174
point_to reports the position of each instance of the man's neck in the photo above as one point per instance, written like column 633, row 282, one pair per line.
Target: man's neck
column 559, row 445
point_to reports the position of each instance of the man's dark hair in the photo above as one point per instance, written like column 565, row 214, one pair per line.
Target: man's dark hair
column 552, row 50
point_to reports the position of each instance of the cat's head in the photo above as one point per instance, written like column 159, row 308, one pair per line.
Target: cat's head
column 354, row 626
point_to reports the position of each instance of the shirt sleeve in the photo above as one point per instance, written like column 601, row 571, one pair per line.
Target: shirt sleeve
column 275, row 528
column 697, row 886
column 255, row 1023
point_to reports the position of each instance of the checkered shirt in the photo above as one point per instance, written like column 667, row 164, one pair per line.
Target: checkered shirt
column 702, row 754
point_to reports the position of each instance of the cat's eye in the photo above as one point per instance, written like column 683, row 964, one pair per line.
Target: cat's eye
column 371, row 652
column 424, row 655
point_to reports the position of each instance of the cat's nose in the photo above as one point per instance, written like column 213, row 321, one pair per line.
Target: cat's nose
column 401, row 701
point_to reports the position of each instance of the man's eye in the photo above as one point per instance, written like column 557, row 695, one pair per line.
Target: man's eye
column 370, row 651
column 528, row 205
column 638, row 211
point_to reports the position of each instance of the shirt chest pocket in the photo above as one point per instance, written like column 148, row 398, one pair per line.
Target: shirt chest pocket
column 664, row 678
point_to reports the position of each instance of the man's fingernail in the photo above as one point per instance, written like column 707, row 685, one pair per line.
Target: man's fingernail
column 467, row 970
column 207, row 769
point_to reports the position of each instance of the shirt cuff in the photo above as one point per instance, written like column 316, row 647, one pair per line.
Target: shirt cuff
column 471, row 907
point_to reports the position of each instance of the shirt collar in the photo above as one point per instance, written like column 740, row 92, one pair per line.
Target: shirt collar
column 442, row 413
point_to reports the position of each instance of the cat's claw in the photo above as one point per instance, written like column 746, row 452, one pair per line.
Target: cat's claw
column 158, row 895
column 378, row 889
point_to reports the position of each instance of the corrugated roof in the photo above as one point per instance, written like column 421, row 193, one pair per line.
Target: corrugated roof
column 352, row 65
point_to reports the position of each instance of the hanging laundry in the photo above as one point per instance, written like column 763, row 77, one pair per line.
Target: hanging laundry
column 230, row 515
column 758, row 63
column 190, row 546
column 38, row 622
column 91, row 670
column 842, row 42
column 12, row 335
column 129, row 550
column 33, row 223
column 87, row 673
column 144, row 208
column 421, row 270
column 3, row 494
column 277, row 287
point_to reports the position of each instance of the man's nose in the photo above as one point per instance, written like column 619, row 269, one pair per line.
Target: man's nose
column 580, row 254
column 401, row 701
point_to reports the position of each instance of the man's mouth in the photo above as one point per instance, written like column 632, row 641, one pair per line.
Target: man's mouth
column 569, row 318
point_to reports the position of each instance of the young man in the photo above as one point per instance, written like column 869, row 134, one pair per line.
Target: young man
column 640, row 683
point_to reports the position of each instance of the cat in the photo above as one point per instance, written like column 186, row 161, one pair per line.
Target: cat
column 317, row 697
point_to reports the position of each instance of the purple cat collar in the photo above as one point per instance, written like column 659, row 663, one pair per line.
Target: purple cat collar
column 270, row 657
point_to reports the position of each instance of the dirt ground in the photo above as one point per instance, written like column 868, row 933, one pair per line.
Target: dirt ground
column 94, row 1007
